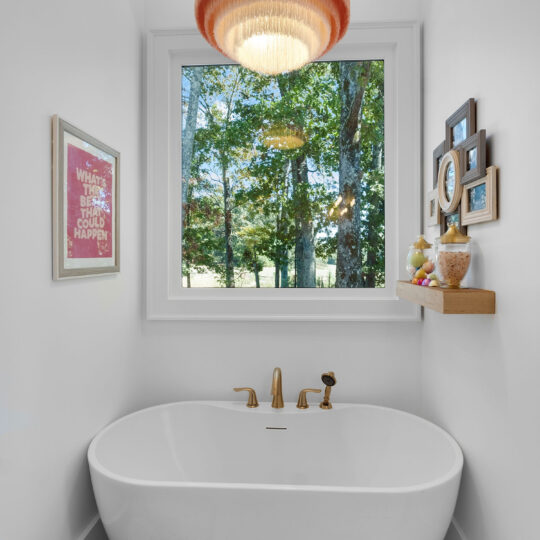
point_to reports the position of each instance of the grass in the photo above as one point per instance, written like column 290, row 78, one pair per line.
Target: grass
column 325, row 272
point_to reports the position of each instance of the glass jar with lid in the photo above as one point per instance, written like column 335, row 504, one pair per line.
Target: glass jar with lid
column 417, row 256
column 453, row 257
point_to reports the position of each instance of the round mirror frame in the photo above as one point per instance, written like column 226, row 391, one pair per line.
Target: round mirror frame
column 451, row 157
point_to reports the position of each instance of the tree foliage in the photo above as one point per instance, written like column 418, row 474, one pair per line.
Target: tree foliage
column 265, row 215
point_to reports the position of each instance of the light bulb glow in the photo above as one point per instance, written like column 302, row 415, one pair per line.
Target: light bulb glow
column 272, row 36
column 284, row 138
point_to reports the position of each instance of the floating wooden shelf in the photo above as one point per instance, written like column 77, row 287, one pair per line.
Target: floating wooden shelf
column 472, row 301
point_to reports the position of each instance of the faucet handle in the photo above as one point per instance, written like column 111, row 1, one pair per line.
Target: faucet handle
column 252, row 399
column 302, row 398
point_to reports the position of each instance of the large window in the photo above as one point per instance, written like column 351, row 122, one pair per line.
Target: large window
column 283, row 198
column 283, row 177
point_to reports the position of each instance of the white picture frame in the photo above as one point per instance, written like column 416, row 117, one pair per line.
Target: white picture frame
column 85, row 204
column 489, row 211
column 432, row 209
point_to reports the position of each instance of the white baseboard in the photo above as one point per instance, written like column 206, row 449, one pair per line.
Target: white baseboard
column 94, row 530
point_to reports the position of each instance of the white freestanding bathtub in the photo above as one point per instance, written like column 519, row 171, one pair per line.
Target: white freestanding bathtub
column 221, row 471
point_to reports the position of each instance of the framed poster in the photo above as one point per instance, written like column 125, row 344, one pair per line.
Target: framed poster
column 85, row 195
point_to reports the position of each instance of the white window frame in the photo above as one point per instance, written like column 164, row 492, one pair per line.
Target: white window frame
column 398, row 44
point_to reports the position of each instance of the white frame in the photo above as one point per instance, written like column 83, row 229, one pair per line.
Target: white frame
column 432, row 220
column 63, row 133
column 398, row 44
column 489, row 213
column 449, row 206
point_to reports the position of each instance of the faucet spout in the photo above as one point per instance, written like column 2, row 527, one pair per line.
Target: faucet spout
column 277, row 392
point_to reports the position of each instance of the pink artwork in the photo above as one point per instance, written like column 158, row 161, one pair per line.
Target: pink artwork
column 89, row 205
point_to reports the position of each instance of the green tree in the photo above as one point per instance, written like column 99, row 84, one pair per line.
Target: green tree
column 354, row 77
column 251, row 203
column 223, row 139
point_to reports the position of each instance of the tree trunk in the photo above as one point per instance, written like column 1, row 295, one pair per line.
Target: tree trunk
column 282, row 252
column 188, row 135
column 256, row 272
column 187, row 223
column 227, row 212
column 373, row 245
column 354, row 77
column 188, row 139
column 277, row 254
column 304, row 242
column 285, row 273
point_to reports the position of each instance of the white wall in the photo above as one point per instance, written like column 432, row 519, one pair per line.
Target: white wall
column 481, row 374
column 378, row 363
column 76, row 355
column 66, row 348
column 180, row 14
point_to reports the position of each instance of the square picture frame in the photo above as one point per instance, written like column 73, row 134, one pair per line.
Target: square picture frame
column 448, row 218
column 432, row 208
column 461, row 125
column 473, row 157
column 479, row 199
column 438, row 155
column 85, row 204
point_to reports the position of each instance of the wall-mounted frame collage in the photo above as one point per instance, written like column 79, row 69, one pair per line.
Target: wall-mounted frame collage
column 464, row 187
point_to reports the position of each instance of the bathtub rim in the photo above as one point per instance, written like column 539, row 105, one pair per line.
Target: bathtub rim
column 454, row 471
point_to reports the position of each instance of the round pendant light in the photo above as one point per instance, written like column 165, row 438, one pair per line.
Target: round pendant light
column 272, row 36
column 284, row 138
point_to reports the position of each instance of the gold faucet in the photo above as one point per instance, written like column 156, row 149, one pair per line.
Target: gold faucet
column 302, row 399
column 252, row 402
column 277, row 392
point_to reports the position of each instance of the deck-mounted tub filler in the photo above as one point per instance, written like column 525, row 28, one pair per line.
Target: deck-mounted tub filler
column 221, row 471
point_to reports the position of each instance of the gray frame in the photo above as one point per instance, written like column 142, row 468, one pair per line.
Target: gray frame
column 438, row 154
column 59, row 127
column 466, row 111
column 478, row 141
column 458, row 212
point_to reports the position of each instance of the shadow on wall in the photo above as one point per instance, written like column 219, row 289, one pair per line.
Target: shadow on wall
column 453, row 534
column 79, row 482
column 98, row 533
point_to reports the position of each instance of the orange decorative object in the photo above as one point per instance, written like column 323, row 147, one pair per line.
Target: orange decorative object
column 273, row 36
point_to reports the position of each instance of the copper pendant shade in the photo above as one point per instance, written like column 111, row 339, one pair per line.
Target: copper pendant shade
column 284, row 137
column 272, row 36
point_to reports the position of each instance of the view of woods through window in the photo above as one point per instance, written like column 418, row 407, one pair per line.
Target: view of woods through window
column 283, row 177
